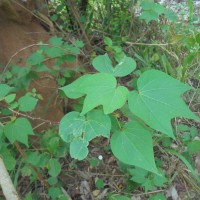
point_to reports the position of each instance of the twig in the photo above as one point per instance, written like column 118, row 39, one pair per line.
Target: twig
column 33, row 118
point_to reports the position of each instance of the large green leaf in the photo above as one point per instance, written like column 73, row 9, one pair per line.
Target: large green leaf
column 133, row 146
column 158, row 100
column 101, row 89
column 4, row 90
column 18, row 131
column 104, row 64
column 94, row 124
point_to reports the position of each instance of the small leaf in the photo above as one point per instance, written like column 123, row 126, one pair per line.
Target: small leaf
column 159, row 196
column 108, row 41
column 78, row 149
column 56, row 41
column 27, row 103
column 35, row 59
column 4, row 90
column 54, row 168
column 18, row 131
column 79, row 43
column 99, row 184
column 53, row 144
column 54, row 192
column 33, row 158
column 8, row 158
column 10, row 98
column 52, row 180
column 158, row 101
column 194, row 146
column 133, row 146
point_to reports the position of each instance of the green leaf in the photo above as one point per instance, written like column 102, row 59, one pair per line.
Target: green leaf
column 53, row 144
column 148, row 185
column 8, row 158
column 52, row 180
column 139, row 175
column 4, row 90
column 159, row 196
column 158, row 100
column 27, row 103
column 54, row 192
column 125, row 67
column 54, row 168
column 18, row 131
column 79, row 43
column 101, row 89
column 71, row 126
column 78, row 149
column 10, row 98
column 56, row 41
column 97, row 124
column 103, row 64
column 73, row 90
column 149, row 15
column 94, row 124
column 133, row 146
column 99, row 184
column 33, row 158
column 1, row 131
column 108, row 41
column 194, row 146
column 35, row 59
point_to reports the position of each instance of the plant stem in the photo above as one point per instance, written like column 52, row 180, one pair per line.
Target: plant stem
column 6, row 184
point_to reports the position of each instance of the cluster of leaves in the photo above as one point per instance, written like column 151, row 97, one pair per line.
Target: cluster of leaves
column 149, row 104
column 56, row 50
column 156, row 101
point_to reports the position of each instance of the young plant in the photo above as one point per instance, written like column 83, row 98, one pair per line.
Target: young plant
column 154, row 104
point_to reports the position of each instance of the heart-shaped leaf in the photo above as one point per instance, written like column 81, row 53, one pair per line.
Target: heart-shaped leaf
column 71, row 126
column 133, row 146
column 125, row 67
column 18, row 131
column 101, row 89
column 103, row 64
column 4, row 90
column 94, row 124
column 158, row 100
column 27, row 103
